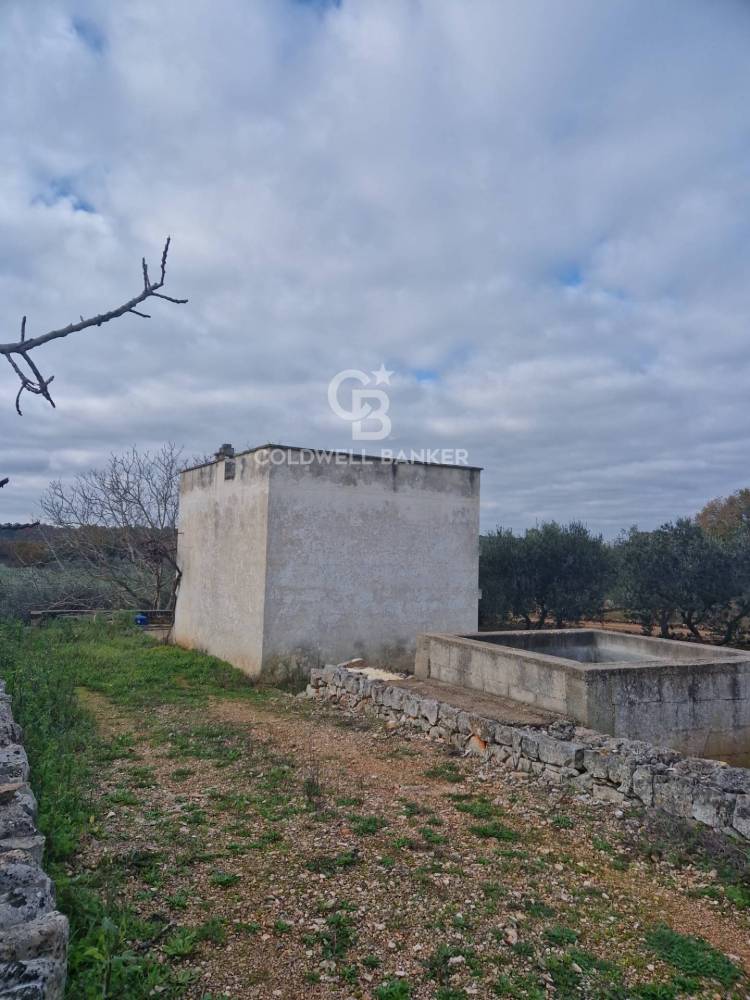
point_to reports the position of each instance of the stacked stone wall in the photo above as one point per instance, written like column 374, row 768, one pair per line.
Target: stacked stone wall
column 33, row 934
column 617, row 770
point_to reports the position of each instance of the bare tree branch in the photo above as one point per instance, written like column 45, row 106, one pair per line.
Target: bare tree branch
column 118, row 524
column 17, row 352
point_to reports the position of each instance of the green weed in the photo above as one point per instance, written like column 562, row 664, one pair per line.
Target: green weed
column 365, row 825
column 394, row 989
column 494, row 831
column 446, row 772
column 224, row 879
column 692, row 955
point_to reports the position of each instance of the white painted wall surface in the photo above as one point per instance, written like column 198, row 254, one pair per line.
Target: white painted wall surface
column 221, row 550
column 357, row 559
column 361, row 557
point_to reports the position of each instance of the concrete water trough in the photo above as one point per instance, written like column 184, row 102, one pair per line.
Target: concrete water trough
column 680, row 694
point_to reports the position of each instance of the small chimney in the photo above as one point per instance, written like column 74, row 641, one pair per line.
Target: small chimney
column 226, row 451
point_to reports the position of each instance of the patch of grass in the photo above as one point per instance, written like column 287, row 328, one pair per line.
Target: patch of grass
column 440, row 967
column 250, row 927
column 109, row 945
column 312, row 788
column 130, row 669
column 212, row 930
column 413, row 809
column 476, row 806
column 519, row 987
column 566, row 979
column 449, row 771
column 181, row 944
column 109, row 942
column 601, row 844
column 493, row 892
column 177, row 901
column 349, row 801
column 337, row 936
column 493, row 831
column 431, row 837
column 142, row 777
column 366, row 825
column 404, row 843
column 692, row 955
column 181, row 773
column 562, row 822
column 535, row 908
column 268, row 838
column 224, row 879
column 394, row 989
column 59, row 737
column 739, row 895
column 589, row 962
column 349, row 974
column 123, row 797
column 214, row 742
column 560, row 936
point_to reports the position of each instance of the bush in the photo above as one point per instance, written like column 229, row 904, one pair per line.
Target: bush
column 680, row 572
column 556, row 571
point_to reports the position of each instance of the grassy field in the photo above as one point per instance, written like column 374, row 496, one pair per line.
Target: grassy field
column 211, row 839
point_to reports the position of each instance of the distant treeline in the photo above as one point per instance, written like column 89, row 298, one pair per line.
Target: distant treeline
column 692, row 573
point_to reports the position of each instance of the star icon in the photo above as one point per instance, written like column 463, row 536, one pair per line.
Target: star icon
column 382, row 376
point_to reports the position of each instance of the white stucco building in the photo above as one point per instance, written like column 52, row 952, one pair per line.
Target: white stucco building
column 291, row 557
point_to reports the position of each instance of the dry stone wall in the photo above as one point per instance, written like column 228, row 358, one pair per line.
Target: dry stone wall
column 614, row 769
column 33, row 934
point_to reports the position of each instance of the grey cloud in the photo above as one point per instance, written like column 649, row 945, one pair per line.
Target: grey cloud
column 545, row 206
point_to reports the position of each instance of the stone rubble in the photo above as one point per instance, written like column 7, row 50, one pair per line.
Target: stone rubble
column 611, row 769
column 33, row 935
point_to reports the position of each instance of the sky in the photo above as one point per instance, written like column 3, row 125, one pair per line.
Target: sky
column 535, row 214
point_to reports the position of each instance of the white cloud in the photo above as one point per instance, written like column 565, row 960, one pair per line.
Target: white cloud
column 535, row 213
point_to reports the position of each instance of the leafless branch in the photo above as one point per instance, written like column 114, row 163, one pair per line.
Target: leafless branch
column 17, row 352
column 118, row 524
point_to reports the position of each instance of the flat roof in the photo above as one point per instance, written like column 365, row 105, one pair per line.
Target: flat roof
column 338, row 451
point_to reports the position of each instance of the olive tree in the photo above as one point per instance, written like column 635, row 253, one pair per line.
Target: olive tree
column 676, row 572
column 553, row 571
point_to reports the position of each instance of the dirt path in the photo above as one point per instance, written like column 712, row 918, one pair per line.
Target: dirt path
column 314, row 854
column 357, row 753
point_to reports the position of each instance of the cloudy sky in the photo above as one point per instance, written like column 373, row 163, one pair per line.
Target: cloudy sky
column 536, row 214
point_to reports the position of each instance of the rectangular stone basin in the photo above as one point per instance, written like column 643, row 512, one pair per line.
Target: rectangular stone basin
column 680, row 694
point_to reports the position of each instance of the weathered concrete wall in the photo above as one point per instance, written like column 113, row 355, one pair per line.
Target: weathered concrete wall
column 33, row 935
column 621, row 771
column 292, row 563
column 702, row 709
column 221, row 551
column 696, row 700
column 361, row 557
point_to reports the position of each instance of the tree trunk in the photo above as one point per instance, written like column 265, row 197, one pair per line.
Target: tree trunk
column 691, row 625
column 664, row 624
